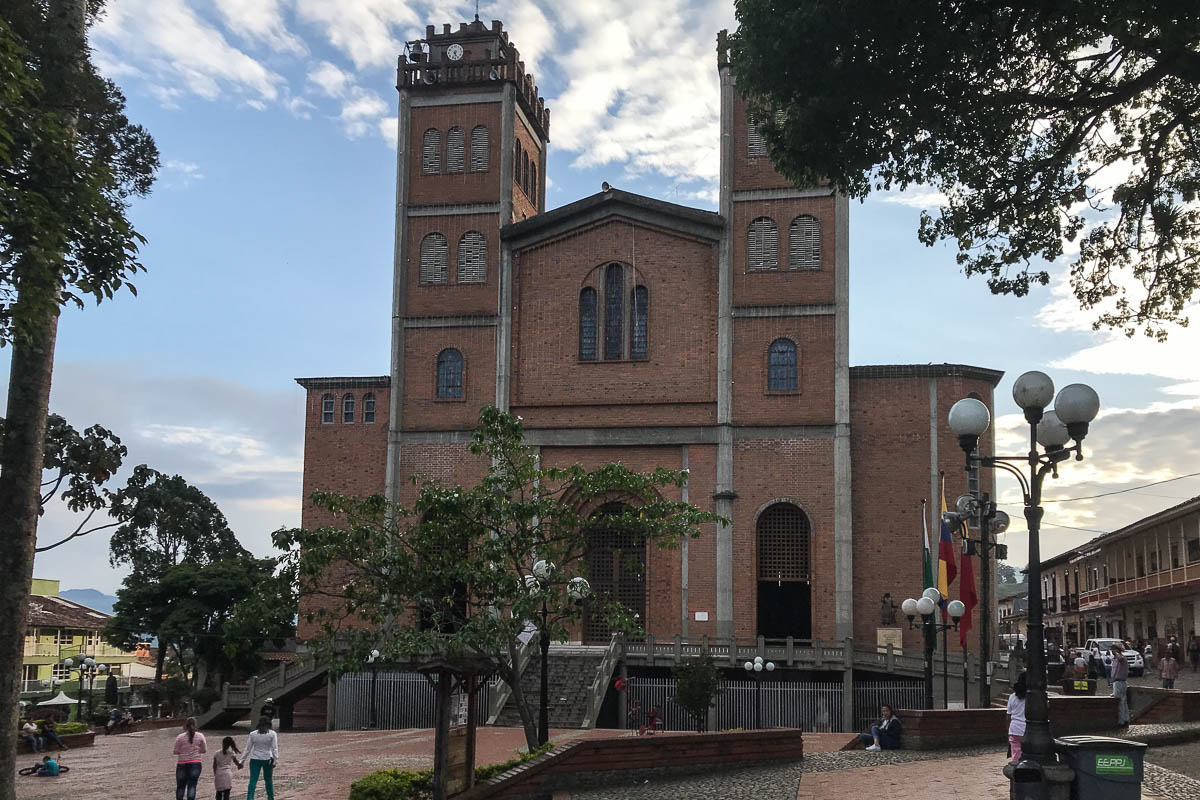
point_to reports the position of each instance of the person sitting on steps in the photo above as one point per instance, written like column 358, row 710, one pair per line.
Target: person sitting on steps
column 885, row 735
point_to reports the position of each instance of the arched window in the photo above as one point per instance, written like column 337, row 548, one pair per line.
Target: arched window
column 614, row 311
column 525, row 172
column 587, row 324
column 762, row 244
column 431, row 152
column 450, row 374
column 327, row 409
column 533, row 184
column 616, row 561
column 781, row 366
column 517, row 165
column 434, row 259
column 472, row 258
column 368, row 407
column 804, row 243
column 784, row 544
column 456, row 149
column 638, row 333
column 756, row 146
column 479, row 148
column 348, row 408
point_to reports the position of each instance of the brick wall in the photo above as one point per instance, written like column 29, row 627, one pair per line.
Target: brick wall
column 459, row 187
column 940, row 728
column 812, row 402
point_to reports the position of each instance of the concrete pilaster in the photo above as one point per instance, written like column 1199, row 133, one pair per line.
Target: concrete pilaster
column 504, row 295
column 724, row 492
column 843, row 538
column 399, row 298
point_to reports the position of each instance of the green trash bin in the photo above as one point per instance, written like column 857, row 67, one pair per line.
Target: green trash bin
column 1105, row 768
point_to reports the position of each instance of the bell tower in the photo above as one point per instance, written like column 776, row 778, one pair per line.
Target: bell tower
column 471, row 158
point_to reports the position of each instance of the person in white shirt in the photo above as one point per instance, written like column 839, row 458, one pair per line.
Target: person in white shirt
column 1016, row 717
column 262, row 751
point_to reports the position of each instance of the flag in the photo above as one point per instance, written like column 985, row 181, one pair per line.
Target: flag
column 966, row 592
column 946, row 570
column 926, row 553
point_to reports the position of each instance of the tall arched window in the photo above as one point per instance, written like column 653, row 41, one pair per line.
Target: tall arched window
column 479, row 148
column 639, row 331
column 781, row 366
column 804, row 243
column 431, row 152
column 456, row 149
column 525, row 172
column 434, row 259
column 616, row 561
column 348, row 408
column 450, row 374
column 472, row 258
column 327, row 407
column 614, row 311
column 784, row 572
column 368, row 407
column 533, row 184
column 762, row 244
column 517, row 164
column 587, row 324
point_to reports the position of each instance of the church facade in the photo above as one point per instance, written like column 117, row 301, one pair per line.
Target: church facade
column 624, row 328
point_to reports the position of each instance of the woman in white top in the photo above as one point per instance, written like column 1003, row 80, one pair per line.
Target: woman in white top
column 262, row 751
column 1016, row 717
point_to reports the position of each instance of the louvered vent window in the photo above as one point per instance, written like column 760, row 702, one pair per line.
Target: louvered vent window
column 639, row 307
column 614, row 311
column 762, row 245
column 450, row 374
column 434, row 251
column 348, row 408
column 431, row 152
column 587, row 324
column 456, row 149
column 327, row 404
column 781, row 366
column 756, row 146
column 804, row 243
column 784, row 544
column 479, row 148
column 368, row 407
column 472, row 258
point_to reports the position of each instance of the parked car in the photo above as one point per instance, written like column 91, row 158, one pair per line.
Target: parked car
column 1098, row 652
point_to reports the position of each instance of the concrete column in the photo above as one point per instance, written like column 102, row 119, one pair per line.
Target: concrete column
column 843, row 517
column 683, row 550
column 724, row 494
column 504, row 303
column 399, row 298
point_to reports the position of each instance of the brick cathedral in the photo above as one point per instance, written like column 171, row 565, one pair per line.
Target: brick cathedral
column 625, row 328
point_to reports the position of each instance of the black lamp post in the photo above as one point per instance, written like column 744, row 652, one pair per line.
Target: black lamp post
column 373, row 723
column 578, row 590
column 88, row 670
column 1075, row 406
column 756, row 668
column 926, row 607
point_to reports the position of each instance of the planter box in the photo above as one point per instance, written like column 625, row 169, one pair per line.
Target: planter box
column 72, row 740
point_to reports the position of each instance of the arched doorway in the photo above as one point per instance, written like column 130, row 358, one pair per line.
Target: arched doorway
column 784, row 572
column 616, row 562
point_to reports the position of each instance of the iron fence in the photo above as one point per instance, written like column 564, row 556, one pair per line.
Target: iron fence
column 870, row 695
column 402, row 700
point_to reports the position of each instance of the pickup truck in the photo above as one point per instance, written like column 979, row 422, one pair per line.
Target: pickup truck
column 1098, row 652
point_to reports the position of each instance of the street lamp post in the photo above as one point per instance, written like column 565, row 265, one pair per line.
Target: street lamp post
column 577, row 590
column 373, row 723
column 926, row 608
column 756, row 668
column 1074, row 407
column 88, row 670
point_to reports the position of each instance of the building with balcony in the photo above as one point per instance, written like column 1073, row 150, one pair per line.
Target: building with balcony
column 1012, row 608
column 56, row 629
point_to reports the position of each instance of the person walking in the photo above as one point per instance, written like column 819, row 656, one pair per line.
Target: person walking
column 223, row 764
column 1194, row 652
column 1120, row 683
column 1168, row 669
column 262, row 751
column 1016, row 717
column 189, row 747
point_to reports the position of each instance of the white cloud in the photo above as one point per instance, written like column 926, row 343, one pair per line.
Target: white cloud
column 260, row 21
column 915, row 197
column 362, row 112
column 363, row 30
column 181, row 174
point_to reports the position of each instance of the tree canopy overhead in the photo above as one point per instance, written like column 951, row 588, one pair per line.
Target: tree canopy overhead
column 1041, row 124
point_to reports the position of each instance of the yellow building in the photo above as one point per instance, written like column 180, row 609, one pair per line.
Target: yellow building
column 56, row 629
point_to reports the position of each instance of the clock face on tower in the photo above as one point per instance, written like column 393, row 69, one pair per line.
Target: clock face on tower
column 454, row 52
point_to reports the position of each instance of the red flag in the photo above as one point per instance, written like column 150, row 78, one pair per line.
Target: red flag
column 966, row 591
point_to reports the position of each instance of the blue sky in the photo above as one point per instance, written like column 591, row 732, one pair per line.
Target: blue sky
column 269, row 253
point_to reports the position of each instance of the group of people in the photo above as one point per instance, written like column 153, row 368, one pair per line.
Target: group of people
column 37, row 737
column 261, row 753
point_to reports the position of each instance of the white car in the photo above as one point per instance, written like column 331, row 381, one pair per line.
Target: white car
column 1098, row 652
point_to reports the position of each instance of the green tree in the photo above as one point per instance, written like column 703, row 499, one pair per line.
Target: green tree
column 69, row 163
column 1041, row 123
column 697, row 684
column 448, row 575
column 1006, row 573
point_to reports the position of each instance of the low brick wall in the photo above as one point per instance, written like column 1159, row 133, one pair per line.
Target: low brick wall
column 72, row 740
column 941, row 729
column 1151, row 706
column 579, row 763
column 147, row 725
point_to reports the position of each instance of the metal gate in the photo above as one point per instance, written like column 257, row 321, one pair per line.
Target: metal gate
column 402, row 700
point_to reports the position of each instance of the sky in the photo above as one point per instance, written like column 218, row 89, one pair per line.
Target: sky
column 269, row 249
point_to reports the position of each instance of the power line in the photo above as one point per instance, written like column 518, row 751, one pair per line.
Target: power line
column 1109, row 494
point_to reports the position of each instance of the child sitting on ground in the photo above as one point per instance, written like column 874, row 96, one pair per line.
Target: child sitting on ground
column 49, row 767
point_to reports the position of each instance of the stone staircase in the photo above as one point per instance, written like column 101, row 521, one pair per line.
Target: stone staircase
column 576, row 685
column 284, row 684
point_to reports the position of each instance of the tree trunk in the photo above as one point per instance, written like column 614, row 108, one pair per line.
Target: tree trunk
column 160, row 661
column 29, row 393
column 518, row 697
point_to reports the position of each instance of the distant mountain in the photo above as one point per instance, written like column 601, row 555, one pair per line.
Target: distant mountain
column 92, row 598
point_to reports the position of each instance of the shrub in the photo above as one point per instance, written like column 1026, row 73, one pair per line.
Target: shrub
column 100, row 714
column 417, row 784
column 67, row 728
column 697, row 684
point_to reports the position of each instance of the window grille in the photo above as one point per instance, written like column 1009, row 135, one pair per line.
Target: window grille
column 450, row 375
column 616, row 562
column 804, row 243
column 348, row 408
column 784, row 544
column 431, row 152
column 64, row 636
column 434, row 256
column 781, row 366
column 327, row 408
column 614, row 311
column 472, row 257
column 756, row 146
column 456, row 147
column 368, row 407
column 60, row 672
column 479, row 148
column 587, row 324
column 639, row 306
column 762, row 245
